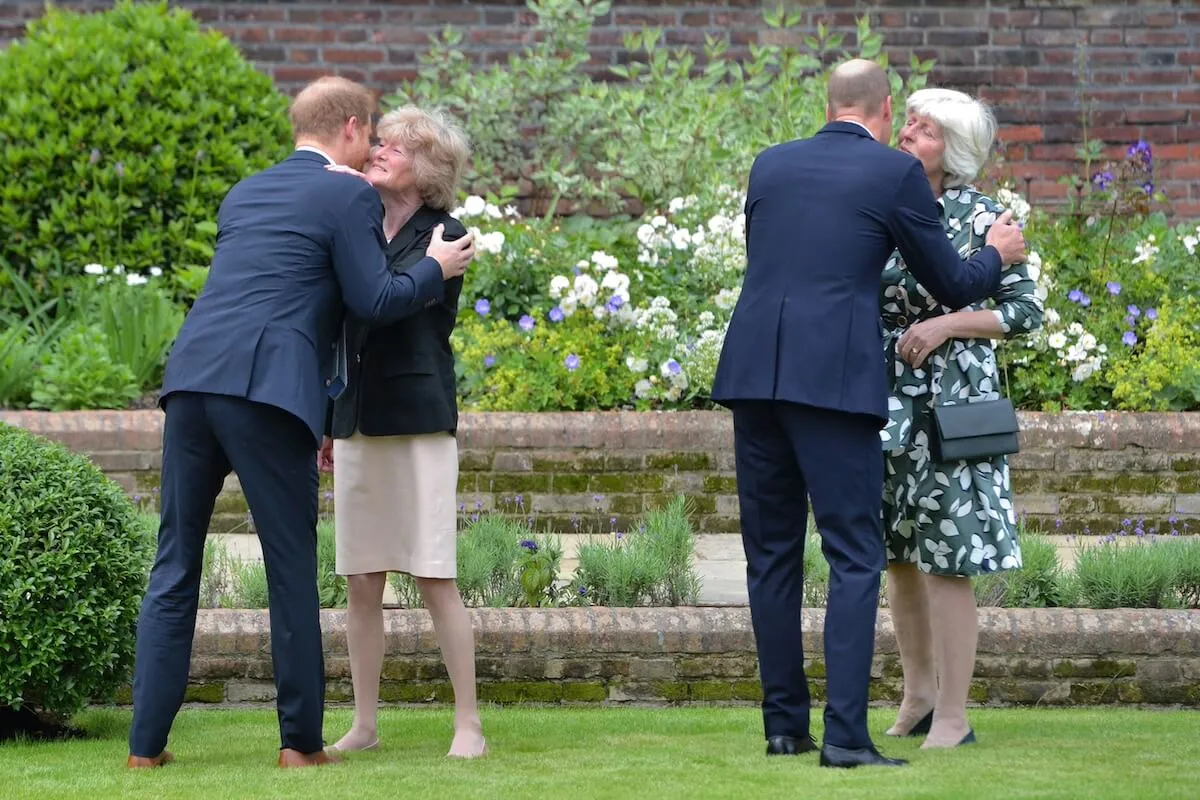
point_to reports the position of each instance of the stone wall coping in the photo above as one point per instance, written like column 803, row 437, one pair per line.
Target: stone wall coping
column 101, row 431
column 715, row 630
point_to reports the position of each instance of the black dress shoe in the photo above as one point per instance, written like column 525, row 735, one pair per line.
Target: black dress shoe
column 790, row 745
column 969, row 738
column 846, row 758
column 922, row 727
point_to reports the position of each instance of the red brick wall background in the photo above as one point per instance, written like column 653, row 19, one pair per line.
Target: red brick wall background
column 1141, row 79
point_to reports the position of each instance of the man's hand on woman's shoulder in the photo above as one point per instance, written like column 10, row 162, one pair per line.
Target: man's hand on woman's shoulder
column 1005, row 235
column 452, row 256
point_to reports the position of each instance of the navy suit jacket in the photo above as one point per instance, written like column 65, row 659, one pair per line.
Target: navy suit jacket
column 296, row 246
column 822, row 217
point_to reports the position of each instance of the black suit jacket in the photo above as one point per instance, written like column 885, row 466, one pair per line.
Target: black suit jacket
column 822, row 217
column 297, row 245
column 401, row 377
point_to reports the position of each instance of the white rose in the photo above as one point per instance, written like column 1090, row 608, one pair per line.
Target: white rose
column 94, row 269
column 492, row 211
column 474, row 206
column 558, row 285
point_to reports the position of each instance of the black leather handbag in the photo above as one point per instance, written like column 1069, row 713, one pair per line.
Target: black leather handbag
column 977, row 431
column 974, row 431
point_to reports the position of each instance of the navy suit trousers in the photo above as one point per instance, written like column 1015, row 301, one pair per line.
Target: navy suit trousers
column 787, row 454
column 206, row 436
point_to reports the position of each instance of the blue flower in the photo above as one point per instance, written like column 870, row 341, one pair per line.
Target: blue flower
column 1140, row 150
column 1151, row 314
column 1130, row 320
column 94, row 158
column 489, row 361
column 1085, row 301
column 1130, row 338
column 527, row 322
column 571, row 362
column 1148, row 187
column 582, row 591
column 1102, row 180
column 1134, row 311
column 1075, row 296
column 530, row 545
column 673, row 366
column 119, row 169
column 614, row 303
column 1114, row 288
column 482, row 306
column 556, row 314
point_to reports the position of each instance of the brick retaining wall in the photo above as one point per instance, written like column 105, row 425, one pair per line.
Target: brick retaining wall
column 1142, row 75
column 602, row 655
column 1078, row 472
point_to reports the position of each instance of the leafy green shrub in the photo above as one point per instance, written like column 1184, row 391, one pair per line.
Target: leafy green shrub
column 75, row 560
column 651, row 565
column 488, row 550
column 659, row 133
column 331, row 587
column 120, row 133
column 1112, row 574
column 1037, row 584
column 79, row 373
column 139, row 318
column 1185, row 553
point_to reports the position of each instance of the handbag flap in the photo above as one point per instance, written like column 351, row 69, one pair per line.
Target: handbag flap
column 967, row 420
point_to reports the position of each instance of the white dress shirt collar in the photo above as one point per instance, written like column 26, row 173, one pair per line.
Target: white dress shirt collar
column 318, row 151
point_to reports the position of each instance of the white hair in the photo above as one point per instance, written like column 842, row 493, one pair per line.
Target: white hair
column 968, row 130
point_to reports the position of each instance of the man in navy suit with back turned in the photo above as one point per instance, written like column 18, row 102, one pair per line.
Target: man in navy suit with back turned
column 246, row 390
column 802, row 369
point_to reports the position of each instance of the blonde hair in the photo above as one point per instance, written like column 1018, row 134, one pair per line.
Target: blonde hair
column 437, row 148
column 968, row 130
column 325, row 105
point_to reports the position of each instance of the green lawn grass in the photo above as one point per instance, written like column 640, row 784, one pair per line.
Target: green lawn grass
column 660, row 753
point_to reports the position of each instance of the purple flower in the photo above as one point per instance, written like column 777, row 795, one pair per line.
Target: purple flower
column 673, row 366
column 482, row 307
column 1151, row 314
column 1130, row 320
column 1148, row 187
column 119, row 169
column 1113, row 287
column 489, row 360
column 1086, row 301
column 1075, row 296
column 1130, row 338
column 527, row 322
column 571, row 362
column 556, row 314
column 1134, row 311
column 94, row 158
column 614, row 303
column 582, row 591
column 1102, row 180
column 1140, row 151
column 530, row 545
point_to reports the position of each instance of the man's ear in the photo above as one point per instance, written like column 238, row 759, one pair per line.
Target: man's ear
column 350, row 129
column 828, row 113
column 887, row 109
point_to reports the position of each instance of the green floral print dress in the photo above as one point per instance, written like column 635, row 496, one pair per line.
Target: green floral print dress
column 952, row 518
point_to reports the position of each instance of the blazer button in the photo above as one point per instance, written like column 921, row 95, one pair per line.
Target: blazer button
column 328, row 382
column 358, row 358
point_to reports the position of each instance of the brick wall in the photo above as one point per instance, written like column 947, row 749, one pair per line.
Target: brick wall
column 1141, row 78
column 667, row 655
column 1078, row 472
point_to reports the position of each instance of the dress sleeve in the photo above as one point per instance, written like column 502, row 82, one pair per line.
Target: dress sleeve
column 1017, row 306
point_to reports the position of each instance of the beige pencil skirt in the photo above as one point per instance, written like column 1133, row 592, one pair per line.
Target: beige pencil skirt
column 394, row 504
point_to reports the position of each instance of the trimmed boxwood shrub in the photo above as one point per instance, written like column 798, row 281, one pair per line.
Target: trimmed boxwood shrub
column 120, row 133
column 74, row 559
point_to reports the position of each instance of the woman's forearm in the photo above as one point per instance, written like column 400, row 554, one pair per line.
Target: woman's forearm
column 973, row 325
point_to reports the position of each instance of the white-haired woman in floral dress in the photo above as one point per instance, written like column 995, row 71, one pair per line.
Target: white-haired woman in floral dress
column 945, row 522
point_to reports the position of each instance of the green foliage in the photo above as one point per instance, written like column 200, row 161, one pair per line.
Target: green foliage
column 1035, row 585
column 139, row 321
column 573, row 365
column 121, row 131
column 1164, row 374
column 660, row 132
column 73, row 562
column 79, row 373
column 331, row 587
column 1114, row 574
column 651, row 565
column 488, row 551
